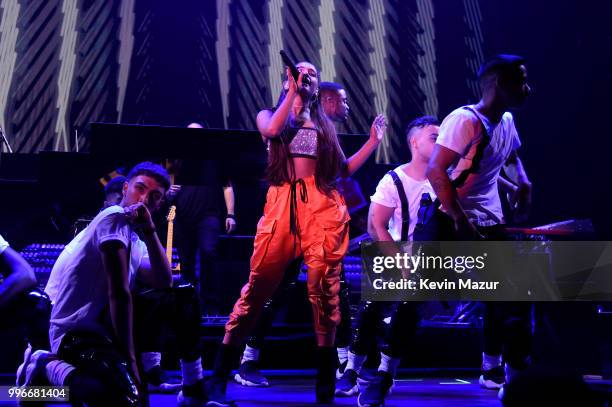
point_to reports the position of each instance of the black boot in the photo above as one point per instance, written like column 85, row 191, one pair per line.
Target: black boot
column 326, row 374
column 216, row 386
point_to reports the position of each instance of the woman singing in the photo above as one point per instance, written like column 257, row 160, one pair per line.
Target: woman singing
column 304, row 215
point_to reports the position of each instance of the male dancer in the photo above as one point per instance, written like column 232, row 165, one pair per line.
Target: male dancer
column 150, row 314
column 335, row 104
column 385, row 224
column 483, row 137
column 92, row 320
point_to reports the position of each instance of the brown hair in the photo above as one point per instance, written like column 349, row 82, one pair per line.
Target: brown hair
column 331, row 161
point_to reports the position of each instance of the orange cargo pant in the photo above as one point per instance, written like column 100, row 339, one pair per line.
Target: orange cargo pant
column 322, row 237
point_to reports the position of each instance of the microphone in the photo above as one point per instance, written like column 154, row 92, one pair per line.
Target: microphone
column 294, row 72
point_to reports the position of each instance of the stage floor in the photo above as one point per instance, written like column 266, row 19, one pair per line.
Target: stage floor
column 296, row 389
column 422, row 392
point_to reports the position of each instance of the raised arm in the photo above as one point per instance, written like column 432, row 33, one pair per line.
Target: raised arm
column 377, row 132
column 154, row 270
column 271, row 124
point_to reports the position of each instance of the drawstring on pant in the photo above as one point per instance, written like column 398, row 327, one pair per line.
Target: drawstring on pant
column 294, row 224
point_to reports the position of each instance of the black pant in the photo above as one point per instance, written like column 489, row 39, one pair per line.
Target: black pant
column 177, row 308
column 268, row 312
column 507, row 326
column 102, row 376
column 400, row 335
column 507, row 329
column 345, row 328
column 30, row 311
column 201, row 237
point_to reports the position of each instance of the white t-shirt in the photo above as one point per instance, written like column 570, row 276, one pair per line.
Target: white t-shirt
column 386, row 194
column 3, row 244
column 78, row 283
column 479, row 195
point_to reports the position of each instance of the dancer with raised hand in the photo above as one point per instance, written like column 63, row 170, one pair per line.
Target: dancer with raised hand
column 392, row 217
column 304, row 215
column 334, row 101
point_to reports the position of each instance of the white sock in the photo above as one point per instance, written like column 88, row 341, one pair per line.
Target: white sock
column 150, row 360
column 192, row 371
column 489, row 362
column 342, row 354
column 57, row 371
column 388, row 364
column 355, row 361
column 250, row 354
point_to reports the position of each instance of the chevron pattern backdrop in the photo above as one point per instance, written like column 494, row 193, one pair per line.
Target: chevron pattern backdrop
column 66, row 63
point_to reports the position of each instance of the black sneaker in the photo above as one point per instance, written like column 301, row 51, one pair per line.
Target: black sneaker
column 159, row 382
column 375, row 391
column 492, row 379
column 340, row 370
column 215, row 393
column 346, row 386
column 326, row 363
column 249, row 375
column 204, row 394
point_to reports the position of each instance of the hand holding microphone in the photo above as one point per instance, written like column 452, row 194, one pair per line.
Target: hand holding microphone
column 293, row 71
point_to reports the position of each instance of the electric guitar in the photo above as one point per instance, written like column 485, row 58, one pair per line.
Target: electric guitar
column 169, row 238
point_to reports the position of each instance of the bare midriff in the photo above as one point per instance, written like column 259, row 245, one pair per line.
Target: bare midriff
column 304, row 167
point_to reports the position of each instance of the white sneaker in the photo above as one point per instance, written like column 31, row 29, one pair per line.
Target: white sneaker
column 341, row 369
column 159, row 382
column 20, row 376
column 35, row 371
column 492, row 379
column 500, row 393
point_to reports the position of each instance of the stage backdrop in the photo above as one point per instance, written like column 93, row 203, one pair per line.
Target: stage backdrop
column 66, row 63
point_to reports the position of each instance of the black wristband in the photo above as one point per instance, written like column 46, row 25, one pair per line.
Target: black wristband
column 230, row 216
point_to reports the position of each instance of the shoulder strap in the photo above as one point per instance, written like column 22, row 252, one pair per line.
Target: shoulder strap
column 404, row 201
column 486, row 139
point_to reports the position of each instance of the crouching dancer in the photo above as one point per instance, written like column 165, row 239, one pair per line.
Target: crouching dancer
column 92, row 318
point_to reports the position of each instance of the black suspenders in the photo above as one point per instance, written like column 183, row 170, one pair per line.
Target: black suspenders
column 486, row 139
column 456, row 183
column 404, row 200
